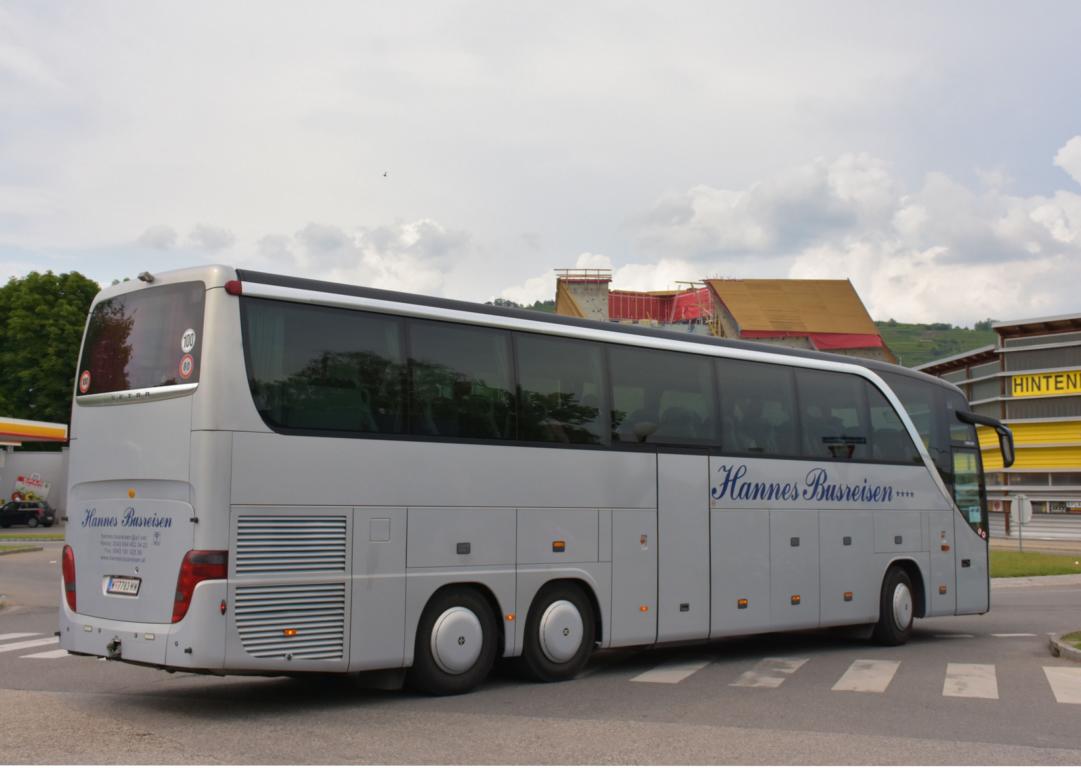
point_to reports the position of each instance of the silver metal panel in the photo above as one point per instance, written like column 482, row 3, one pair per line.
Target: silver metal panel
column 540, row 529
column 739, row 564
column 943, row 557
column 211, row 482
column 419, row 474
column 422, row 584
column 604, row 537
column 899, row 530
column 294, row 622
column 847, row 557
column 377, row 637
column 634, row 576
column 682, row 547
column 276, row 543
column 972, row 584
column 485, row 536
column 597, row 577
column 793, row 543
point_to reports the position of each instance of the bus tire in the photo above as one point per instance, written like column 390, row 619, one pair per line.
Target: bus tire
column 559, row 633
column 456, row 643
column 896, row 609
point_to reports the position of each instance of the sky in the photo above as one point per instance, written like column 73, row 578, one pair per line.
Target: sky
column 931, row 155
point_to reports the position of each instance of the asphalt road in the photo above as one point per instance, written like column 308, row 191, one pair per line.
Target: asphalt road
column 768, row 699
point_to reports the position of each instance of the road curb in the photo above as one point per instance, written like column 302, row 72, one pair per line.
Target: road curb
column 1063, row 650
column 20, row 550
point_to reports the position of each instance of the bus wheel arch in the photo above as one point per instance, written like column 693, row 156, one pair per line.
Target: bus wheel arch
column 470, row 613
column 561, row 630
column 899, row 602
column 915, row 576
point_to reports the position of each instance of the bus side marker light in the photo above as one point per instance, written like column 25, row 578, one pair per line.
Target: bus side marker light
column 941, row 589
column 131, row 493
column 559, row 546
column 945, row 547
column 221, row 607
column 509, row 617
column 644, row 608
column 795, row 600
column 289, row 632
column 234, row 287
column 741, row 603
column 848, row 597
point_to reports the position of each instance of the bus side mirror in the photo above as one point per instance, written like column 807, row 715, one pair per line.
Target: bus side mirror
column 1005, row 436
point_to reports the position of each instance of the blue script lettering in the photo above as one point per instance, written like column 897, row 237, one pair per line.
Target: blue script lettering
column 816, row 486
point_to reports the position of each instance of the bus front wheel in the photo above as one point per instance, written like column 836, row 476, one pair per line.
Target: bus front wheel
column 896, row 609
column 559, row 633
column 456, row 643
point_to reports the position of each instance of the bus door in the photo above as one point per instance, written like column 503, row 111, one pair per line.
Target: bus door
column 970, row 527
column 683, row 546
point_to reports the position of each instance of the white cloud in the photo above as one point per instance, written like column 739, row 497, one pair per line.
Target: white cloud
column 160, row 236
column 1068, row 158
column 210, row 238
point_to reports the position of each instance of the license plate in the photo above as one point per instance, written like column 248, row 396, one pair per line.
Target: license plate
column 123, row 585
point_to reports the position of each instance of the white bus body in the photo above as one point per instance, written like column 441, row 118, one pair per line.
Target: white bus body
column 209, row 532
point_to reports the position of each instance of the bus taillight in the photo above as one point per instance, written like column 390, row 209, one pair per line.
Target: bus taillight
column 198, row 565
column 67, row 568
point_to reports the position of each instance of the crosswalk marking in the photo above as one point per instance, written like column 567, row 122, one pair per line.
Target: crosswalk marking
column 1013, row 634
column 972, row 681
column 769, row 673
column 867, row 676
column 16, row 635
column 59, row 653
column 1065, row 683
column 955, row 636
column 28, row 644
column 671, row 672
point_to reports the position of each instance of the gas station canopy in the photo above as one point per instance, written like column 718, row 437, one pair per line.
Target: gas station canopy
column 18, row 431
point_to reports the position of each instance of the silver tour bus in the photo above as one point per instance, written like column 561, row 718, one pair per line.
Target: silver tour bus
column 272, row 475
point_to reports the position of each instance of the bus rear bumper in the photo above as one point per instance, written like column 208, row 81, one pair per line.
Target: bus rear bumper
column 196, row 643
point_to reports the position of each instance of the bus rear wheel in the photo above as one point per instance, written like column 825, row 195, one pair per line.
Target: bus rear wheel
column 559, row 633
column 455, row 645
column 896, row 609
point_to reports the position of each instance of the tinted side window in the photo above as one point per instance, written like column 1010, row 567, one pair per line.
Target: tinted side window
column 461, row 381
column 560, row 384
column 758, row 404
column 661, row 397
column 921, row 402
column 889, row 438
column 833, row 415
column 323, row 368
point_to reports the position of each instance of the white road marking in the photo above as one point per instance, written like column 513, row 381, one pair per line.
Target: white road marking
column 971, row 681
column 28, row 644
column 17, row 635
column 671, row 672
column 769, row 673
column 1013, row 634
column 1065, row 683
column 867, row 676
column 955, row 636
column 59, row 653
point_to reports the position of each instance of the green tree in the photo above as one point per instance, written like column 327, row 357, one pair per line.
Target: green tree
column 42, row 317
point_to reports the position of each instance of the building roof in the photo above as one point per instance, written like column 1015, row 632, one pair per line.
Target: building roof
column 22, row 430
column 798, row 306
column 1039, row 325
column 960, row 360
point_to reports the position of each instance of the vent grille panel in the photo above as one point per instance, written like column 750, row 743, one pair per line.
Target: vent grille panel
column 315, row 611
column 296, row 544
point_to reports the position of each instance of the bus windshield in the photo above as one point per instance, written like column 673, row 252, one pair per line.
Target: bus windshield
column 147, row 338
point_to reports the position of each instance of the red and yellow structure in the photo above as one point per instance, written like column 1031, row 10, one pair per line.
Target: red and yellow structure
column 18, row 431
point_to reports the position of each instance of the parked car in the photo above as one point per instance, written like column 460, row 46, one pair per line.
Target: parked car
column 31, row 513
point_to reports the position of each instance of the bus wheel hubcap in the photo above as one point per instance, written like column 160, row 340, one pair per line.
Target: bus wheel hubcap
column 561, row 631
column 902, row 606
column 457, row 639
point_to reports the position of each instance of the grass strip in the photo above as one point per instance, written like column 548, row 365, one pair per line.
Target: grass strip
column 1074, row 639
column 12, row 549
column 31, row 534
column 1032, row 564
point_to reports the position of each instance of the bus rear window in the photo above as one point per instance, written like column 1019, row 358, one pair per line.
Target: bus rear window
column 147, row 338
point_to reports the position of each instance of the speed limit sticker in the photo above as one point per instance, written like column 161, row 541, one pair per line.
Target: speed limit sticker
column 187, row 341
column 187, row 365
column 84, row 382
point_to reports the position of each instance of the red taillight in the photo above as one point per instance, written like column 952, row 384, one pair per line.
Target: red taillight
column 198, row 565
column 67, row 568
column 234, row 287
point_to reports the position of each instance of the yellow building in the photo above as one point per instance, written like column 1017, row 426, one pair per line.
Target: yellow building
column 1031, row 380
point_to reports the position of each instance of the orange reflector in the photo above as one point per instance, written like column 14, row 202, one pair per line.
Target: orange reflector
column 848, row 597
column 644, row 608
column 741, row 603
column 289, row 632
column 510, row 617
column 795, row 599
column 941, row 589
column 945, row 547
column 559, row 546
column 131, row 493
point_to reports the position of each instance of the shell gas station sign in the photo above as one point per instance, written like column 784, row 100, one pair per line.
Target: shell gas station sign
column 1037, row 384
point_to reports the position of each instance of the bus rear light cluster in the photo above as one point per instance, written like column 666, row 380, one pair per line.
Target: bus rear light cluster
column 198, row 565
column 67, row 569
